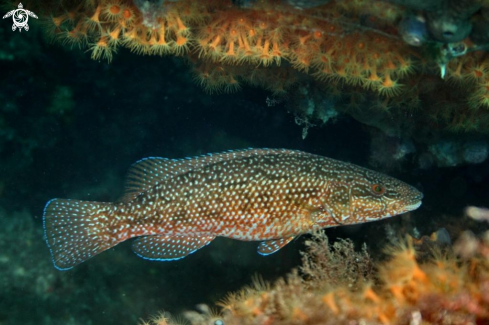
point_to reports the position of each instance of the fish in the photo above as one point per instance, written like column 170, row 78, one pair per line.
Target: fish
column 174, row 207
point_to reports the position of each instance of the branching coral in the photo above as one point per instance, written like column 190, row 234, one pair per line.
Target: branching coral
column 444, row 290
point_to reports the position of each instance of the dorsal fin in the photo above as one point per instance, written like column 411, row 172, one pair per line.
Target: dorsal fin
column 213, row 158
column 148, row 172
column 151, row 171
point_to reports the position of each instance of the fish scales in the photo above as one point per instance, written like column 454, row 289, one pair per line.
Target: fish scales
column 242, row 192
column 175, row 207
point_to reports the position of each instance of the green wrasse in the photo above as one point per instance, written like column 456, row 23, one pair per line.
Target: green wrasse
column 175, row 207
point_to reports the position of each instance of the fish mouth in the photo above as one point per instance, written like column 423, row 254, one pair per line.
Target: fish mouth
column 416, row 198
column 419, row 197
column 412, row 207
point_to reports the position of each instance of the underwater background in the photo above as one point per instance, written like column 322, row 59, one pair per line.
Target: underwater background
column 72, row 122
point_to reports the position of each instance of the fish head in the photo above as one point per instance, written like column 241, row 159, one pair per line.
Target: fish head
column 377, row 196
column 369, row 196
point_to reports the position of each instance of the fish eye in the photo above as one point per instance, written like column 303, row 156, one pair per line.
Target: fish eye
column 378, row 189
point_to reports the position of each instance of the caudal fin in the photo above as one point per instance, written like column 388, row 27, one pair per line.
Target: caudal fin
column 75, row 231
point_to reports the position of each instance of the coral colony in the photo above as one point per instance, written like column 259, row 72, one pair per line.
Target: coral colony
column 357, row 51
column 418, row 71
column 340, row 286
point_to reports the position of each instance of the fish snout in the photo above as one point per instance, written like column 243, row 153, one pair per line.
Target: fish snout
column 412, row 201
column 419, row 196
column 409, row 200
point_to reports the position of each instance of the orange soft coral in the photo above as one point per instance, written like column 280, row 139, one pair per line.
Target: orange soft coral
column 444, row 290
column 345, row 47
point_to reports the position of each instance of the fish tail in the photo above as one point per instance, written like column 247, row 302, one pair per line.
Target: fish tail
column 76, row 230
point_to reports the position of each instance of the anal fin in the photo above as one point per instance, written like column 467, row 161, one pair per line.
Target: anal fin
column 271, row 246
column 168, row 248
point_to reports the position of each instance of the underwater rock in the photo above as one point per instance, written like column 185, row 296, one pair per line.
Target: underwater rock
column 406, row 147
column 389, row 152
column 451, row 23
column 453, row 153
column 419, row 4
column 298, row 4
column 311, row 105
column 480, row 30
column 475, row 152
column 425, row 245
column 425, row 160
column 476, row 213
column 413, row 30
column 306, row 4
column 445, row 154
column 151, row 10
column 446, row 28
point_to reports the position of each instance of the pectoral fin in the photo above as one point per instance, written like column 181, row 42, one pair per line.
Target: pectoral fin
column 167, row 248
column 271, row 246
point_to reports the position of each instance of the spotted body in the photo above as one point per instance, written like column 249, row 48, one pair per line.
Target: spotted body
column 175, row 207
